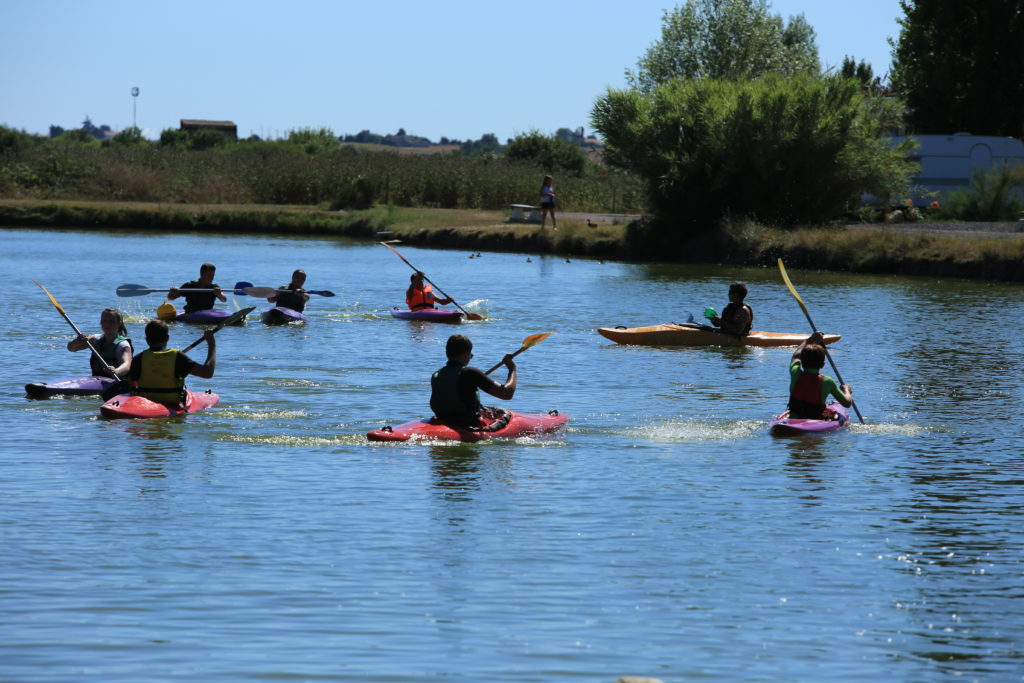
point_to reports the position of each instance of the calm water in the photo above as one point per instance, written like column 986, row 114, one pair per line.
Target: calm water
column 664, row 534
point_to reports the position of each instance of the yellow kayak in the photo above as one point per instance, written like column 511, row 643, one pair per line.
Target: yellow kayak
column 692, row 334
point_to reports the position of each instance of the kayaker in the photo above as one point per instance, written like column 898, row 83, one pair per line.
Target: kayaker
column 158, row 373
column 199, row 301
column 296, row 297
column 419, row 295
column 113, row 344
column 737, row 317
column 454, row 389
column 808, row 388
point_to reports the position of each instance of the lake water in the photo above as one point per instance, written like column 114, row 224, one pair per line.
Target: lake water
column 664, row 534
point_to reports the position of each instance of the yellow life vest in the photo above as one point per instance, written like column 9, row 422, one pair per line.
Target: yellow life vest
column 157, row 380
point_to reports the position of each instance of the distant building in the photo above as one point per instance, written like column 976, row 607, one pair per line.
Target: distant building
column 227, row 127
column 948, row 162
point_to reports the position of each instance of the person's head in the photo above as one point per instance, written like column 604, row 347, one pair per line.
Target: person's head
column 459, row 348
column 157, row 334
column 737, row 292
column 112, row 323
column 416, row 279
column 298, row 278
column 812, row 357
column 547, row 181
column 206, row 272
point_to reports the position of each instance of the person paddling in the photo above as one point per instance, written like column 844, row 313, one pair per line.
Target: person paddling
column 738, row 317
column 454, row 395
column 419, row 295
column 158, row 373
column 296, row 297
column 808, row 388
column 113, row 344
column 199, row 301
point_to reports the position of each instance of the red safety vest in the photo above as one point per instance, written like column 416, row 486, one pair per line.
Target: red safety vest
column 805, row 399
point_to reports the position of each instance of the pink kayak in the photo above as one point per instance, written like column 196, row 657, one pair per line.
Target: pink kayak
column 500, row 424
column 785, row 425
column 131, row 406
column 437, row 315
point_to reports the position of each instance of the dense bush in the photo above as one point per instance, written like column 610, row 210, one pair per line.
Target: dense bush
column 549, row 152
column 993, row 196
column 780, row 150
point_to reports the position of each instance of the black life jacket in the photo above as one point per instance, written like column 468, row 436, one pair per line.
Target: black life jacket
column 108, row 350
column 445, row 399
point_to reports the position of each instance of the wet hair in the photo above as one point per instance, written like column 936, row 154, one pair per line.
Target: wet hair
column 457, row 345
column 121, row 329
column 157, row 333
column 207, row 267
column 812, row 357
column 740, row 288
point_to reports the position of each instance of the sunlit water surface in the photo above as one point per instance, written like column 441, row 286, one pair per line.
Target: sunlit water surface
column 665, row 533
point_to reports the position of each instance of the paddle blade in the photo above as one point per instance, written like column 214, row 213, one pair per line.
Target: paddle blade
column 535, row 339
column 473, row 316
column 52, row 300
column 321, row 292
column 133, row 290
column 259, row 292
column 240, row 288
column 230, row 320
column 792, row 290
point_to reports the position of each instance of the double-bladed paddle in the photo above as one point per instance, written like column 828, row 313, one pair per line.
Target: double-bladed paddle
column 230, row 320
column 803, row 307
column 469, row 316
column 532, row 340
column 241, row 289
column 77, row 331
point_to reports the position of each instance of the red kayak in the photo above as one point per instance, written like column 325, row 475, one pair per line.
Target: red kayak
column 437, row 315
column 498, row 424
column 784, row 425
column 131, row 406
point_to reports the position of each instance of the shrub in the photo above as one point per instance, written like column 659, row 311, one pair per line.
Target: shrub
column 992, row 196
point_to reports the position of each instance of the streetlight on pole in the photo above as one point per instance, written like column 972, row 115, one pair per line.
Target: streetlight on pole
column 135, row 94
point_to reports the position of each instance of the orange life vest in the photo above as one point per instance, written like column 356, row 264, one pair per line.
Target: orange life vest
column 421, row 298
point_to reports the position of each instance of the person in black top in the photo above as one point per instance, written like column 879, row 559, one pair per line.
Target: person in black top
column 199, row 301
column 296, row 297
column 737, row 317
column 454, row 395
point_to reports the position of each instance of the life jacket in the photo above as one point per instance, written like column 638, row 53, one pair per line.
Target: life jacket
column 157, row 379
column 290, row 300
column 421, row 298
column 727, row 314
column 805, row 398
column 198, row 301
column 445, row 400
column 108, row 350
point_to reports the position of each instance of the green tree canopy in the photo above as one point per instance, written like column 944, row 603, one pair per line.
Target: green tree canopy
column 959, row 66
column 728, row 39
column 784, row 150
column 549, row 152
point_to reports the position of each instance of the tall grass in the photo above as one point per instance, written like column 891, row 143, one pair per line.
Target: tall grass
column 282, row 173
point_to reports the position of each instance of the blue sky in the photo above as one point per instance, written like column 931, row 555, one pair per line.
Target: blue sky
column 450, row 67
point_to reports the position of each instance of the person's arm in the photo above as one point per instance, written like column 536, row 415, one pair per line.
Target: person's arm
column 815, row 338
column 843, row 394
column 79, row 343
column 219, row 294
column 503, row 391
column 126, row 361
column 206, row 369
column 174, row 293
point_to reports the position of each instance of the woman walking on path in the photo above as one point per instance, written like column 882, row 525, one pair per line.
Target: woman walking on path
column 547, row 203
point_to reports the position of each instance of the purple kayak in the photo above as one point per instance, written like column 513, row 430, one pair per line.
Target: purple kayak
column 208, row 315
column 279, row 315
column 437, row 315
column 72, row 386
column 784, row 425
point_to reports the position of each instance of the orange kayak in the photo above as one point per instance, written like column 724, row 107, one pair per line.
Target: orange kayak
column 692, row 334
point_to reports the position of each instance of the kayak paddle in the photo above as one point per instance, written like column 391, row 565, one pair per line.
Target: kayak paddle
column 792, row 290
column 241, row 289
column 532, row 340
column 469, row 316
column 230, row 320
column 78, row 331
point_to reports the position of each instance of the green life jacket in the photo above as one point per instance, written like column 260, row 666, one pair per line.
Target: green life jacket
column 157, row 379
column 108, row 350
column 445, row 400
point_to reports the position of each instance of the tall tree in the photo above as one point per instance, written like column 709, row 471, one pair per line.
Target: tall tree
column 959, row 66
column 729, row 39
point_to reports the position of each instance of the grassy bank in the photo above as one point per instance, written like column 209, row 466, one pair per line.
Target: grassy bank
column 881, row 250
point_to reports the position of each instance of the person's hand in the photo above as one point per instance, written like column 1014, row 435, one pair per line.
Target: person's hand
column 715, row 320
column 847, row 389
column 509, row 363
column 172, row 292
column 209, row 338
column 817, row 338
column 110, row 371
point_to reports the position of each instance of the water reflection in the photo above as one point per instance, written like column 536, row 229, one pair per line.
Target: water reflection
column 456, row 471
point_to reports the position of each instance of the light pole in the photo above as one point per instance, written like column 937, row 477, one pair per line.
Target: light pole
column 135, row 94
